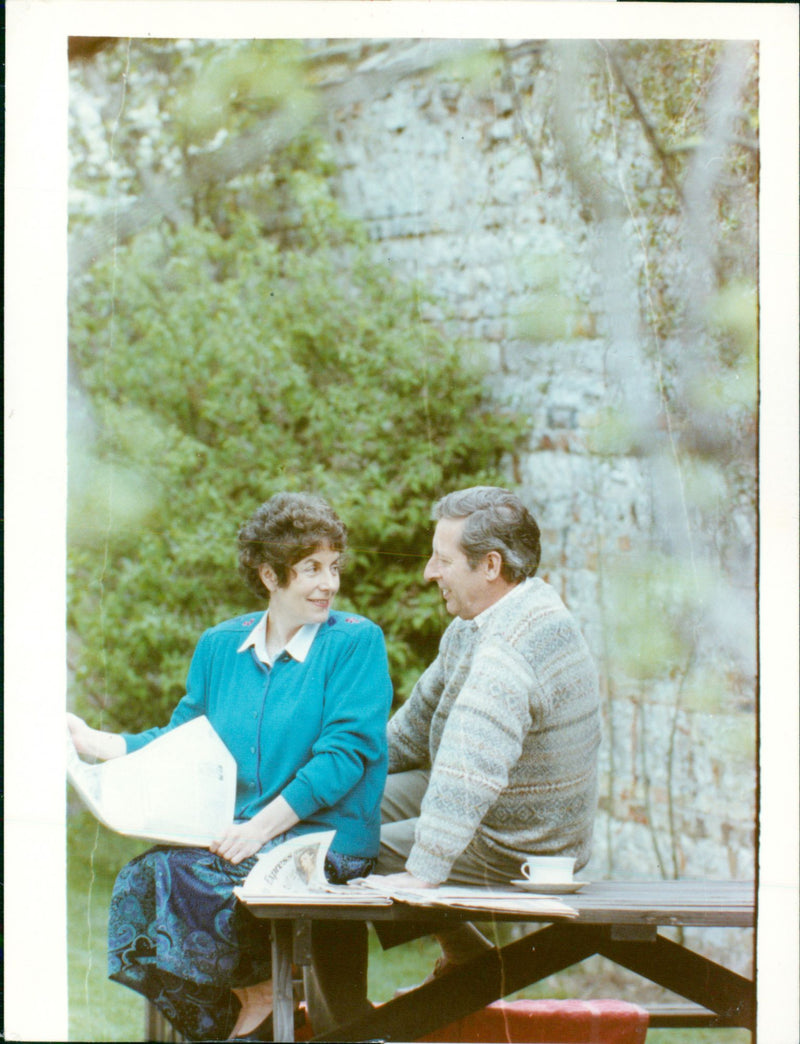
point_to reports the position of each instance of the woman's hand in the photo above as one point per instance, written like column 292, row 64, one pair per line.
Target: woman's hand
column 92, row 742
column 239, row 841
column 79, row 733
column 244, row 839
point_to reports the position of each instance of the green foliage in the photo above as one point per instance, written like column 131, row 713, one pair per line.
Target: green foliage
column 656, row 608
column 654, row 603
column 228, row 86
column 221, row 369
column 554, row 311
column 612, row 432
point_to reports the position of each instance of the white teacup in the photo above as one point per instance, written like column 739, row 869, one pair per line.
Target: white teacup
column 548, row 869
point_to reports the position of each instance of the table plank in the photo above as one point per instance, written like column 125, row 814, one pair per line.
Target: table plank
column 727, row 904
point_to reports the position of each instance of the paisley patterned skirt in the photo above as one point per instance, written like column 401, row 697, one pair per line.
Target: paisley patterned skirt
column 178, row 935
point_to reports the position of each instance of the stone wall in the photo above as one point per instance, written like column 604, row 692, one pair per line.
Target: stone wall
column 463, row 193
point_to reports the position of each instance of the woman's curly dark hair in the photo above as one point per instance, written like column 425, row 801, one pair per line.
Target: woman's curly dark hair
column 283, row 531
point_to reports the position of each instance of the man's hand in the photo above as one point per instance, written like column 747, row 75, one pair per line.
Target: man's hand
column 404, row 880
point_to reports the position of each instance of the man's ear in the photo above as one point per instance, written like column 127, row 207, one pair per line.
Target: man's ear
column 493, row 564
column 268, row 577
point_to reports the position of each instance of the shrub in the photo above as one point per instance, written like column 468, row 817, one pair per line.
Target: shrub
column 219, row 369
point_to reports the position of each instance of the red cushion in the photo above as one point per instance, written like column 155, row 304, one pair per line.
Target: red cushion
column 550, row 1022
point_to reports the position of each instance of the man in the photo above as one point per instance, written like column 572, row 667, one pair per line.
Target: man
column 493, row 757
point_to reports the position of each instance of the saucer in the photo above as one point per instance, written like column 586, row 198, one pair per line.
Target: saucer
column 554, row 888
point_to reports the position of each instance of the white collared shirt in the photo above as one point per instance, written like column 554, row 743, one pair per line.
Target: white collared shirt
column 297, row 647
column 481, row 618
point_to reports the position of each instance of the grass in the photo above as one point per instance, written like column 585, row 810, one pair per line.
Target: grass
column 723, row 1035
column 100, row 1010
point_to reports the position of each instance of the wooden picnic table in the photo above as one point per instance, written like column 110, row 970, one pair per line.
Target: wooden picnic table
column 619, row 920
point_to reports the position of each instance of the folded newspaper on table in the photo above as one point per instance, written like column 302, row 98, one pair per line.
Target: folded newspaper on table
column 489, row 900
column 179, row 789
column 294, row 873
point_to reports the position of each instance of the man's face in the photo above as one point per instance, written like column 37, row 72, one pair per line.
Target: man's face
column 466, row 591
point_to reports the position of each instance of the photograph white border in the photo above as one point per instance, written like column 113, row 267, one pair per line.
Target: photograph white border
column 35, row 424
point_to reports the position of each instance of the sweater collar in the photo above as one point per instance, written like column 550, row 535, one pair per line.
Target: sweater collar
column 297, row 647
column 483, row 618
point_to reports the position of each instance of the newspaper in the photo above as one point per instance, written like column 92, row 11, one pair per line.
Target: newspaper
column 479, row 899
column 295, row 867
column 179, row 789
column 294, row 872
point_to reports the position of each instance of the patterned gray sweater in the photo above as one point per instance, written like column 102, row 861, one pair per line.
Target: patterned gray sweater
column 507, row 719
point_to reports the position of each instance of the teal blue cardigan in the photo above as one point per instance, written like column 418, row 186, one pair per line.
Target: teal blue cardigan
column 314, row 732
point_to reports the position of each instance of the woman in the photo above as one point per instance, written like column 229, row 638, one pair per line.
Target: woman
column 300, row 695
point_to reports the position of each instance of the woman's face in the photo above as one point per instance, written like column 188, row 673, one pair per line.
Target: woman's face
column 308, row 596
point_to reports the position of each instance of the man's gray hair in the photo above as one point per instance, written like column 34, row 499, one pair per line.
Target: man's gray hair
column 496, row 520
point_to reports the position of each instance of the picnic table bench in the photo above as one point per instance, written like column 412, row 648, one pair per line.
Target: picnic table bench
column 619, row 920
